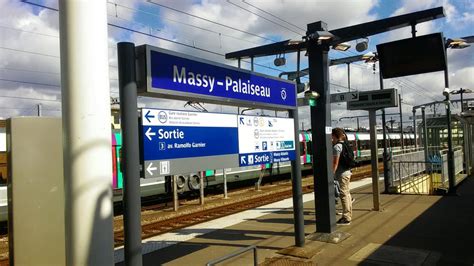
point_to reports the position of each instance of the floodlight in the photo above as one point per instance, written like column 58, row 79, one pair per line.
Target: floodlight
column 342, row 46
column 457, row 43
column 362, row 45
column 370, row 57
column 321, row 35
column 311, row 95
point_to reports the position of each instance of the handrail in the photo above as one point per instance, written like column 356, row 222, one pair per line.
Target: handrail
column 234, row 254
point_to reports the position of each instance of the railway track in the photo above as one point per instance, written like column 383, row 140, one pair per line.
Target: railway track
column 152, row 227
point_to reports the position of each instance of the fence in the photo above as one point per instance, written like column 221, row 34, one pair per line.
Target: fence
column 413, row 174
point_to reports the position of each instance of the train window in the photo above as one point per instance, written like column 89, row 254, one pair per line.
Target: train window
column 302, row 148
column 309, row 147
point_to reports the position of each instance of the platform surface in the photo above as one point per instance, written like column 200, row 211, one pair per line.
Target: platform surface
column 409, row 230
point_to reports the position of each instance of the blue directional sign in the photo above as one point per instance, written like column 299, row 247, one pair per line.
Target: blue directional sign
column 167, row 74
column 175, row 142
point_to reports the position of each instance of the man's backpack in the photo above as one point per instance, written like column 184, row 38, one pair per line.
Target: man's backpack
column 346, row 158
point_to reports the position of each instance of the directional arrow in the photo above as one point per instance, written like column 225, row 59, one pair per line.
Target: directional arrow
column 148, row 133
column 150, row 169
column 242, row 160
column 355, row 96
column 148, row 116
column 242, row 121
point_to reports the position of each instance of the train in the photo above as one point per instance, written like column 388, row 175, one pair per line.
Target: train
column 161, row 186
column 360, row 142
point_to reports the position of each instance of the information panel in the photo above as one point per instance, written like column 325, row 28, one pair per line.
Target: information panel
column 182, row 142
column 265, row 140
column 167, row 74
column 178, row 142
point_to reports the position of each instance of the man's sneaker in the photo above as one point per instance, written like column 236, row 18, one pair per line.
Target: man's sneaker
column 343, row 221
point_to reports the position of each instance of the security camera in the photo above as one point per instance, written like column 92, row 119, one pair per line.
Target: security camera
column 446, row 92
column 362, row 45
column 279, row 61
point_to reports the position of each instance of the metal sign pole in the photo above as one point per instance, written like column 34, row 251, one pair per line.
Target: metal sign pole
column 201, row 188
column 175, row 193
column 225, row 183
column 130, row 154
column 375, row 159
column 296, row 186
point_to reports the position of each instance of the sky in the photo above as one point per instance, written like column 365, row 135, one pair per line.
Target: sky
column 30, row 65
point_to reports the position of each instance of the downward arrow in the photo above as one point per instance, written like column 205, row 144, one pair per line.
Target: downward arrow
column 148, row 133
column 150, row 169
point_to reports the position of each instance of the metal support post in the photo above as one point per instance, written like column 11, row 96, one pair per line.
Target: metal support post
column 86, row 133
column 375, row 159
column 387, row 163
column 401, row 122
column 296, row 186
column 201, row 188
column 224, row 173
column 321, row 132
column 414, row 127
column 358, row 127
column 38, row 106
column 175, row 193
column 425, row 134
column 130, row 154
column 451, row 174
column 349, row 76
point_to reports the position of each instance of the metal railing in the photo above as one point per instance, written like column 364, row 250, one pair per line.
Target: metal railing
column 415, row 177
column 235, row 254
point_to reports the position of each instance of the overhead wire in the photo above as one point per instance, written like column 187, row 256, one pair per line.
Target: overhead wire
column 210, row 21
column 179, row 22
column 270, row 14
column 269, row 20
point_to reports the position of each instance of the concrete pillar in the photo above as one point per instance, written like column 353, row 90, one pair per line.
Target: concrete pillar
column 86, row 132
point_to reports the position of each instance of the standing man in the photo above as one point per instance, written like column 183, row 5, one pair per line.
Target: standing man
column 342, row 173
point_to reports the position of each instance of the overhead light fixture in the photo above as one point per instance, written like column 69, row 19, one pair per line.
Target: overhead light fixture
column 457, row 43
column 279, row 61
column 370, row 57
column 321, row 35
column 311, row 95
column 342, row 46
column 362, row 45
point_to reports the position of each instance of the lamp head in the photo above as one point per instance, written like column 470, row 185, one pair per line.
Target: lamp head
column 446, row 92
column 362, row 45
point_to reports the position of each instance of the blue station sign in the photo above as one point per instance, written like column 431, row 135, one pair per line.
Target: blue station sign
column 166, row 74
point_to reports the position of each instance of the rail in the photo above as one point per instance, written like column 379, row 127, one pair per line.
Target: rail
column 415, row 177
column 235, row 254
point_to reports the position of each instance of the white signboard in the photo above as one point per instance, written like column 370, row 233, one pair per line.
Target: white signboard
column 265, row 139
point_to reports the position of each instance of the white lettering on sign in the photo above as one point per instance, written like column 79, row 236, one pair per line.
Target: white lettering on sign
column 172, row 134
column 246, row 87
column 191, row 78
